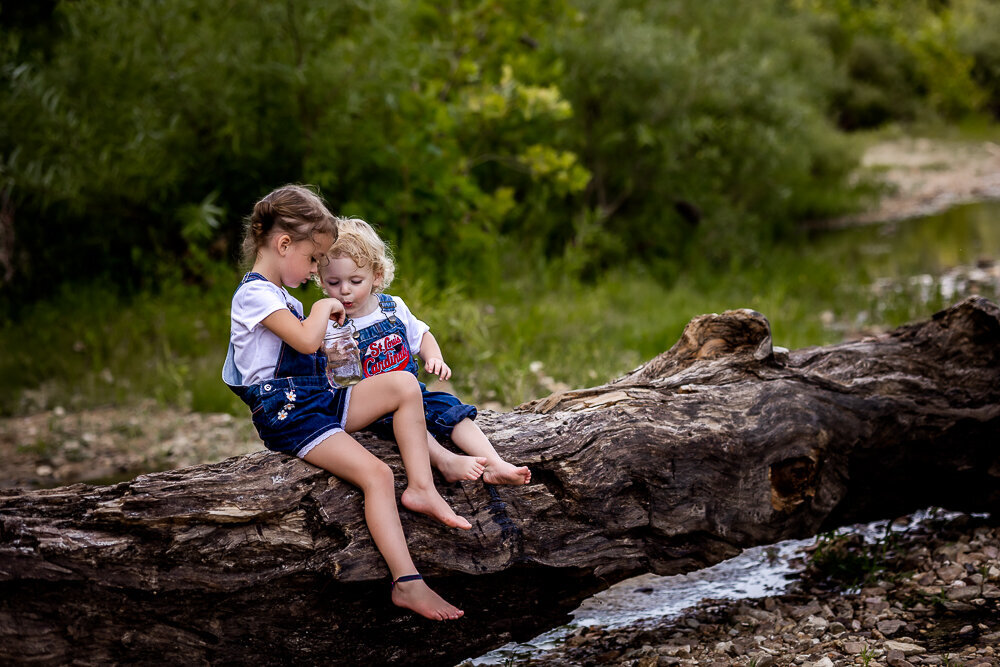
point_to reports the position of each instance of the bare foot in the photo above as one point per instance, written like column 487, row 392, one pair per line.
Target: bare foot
column 432, row 504
column 501, row 472
column 418, row 597
column 456, row 467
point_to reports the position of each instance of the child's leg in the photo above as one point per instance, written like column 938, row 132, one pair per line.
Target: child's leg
column 454, row 467
column 341, row 455
column 398, row 393
column 468, row 437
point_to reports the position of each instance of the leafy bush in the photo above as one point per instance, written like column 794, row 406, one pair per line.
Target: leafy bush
column 978, row 36
column 701, row 125
column 481, row 136
column 898, row 60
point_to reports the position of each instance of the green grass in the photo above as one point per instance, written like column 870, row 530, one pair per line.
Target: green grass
column 507, row 344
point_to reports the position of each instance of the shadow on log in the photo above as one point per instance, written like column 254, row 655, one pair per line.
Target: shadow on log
column 718, row 444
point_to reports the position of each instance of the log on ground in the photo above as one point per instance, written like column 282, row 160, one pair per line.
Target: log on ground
column 721, row 443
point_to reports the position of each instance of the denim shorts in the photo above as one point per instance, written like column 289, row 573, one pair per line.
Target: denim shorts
column 293, row 415
column 442, row 411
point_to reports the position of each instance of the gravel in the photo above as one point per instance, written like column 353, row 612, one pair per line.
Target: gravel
column 930, row 596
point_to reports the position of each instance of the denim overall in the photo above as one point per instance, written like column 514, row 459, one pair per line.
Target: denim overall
column 297, row 407
column 384, row 348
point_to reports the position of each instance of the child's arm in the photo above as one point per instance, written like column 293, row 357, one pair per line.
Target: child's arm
column 305, row 335
column 430, row 352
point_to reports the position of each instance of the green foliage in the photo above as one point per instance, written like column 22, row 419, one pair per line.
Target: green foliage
column 507, row 150
column 454, row 155
column 478, row 135
column 848, row 561
column 90, row 346
column 701, row 124
column 903, row 60
column 977, row 28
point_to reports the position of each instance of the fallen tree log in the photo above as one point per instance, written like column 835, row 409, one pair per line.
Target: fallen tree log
column 720, row 443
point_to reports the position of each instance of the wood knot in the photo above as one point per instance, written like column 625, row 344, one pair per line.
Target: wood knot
column 792, row 481
column 714, row 336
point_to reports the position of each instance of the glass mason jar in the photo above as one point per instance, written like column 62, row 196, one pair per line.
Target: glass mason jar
column 343, row 359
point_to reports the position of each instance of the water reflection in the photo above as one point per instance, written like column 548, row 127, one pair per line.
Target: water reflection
column 898, row 272
column 941, row 258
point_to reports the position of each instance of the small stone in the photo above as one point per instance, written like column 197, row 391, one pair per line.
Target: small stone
column 816, row 622
column 822, row 662
column 854, row 647
column 761, row 615
column 724, row 647
column 762, row 659
column 876, row 605
column 682, row 651
column 890, row 627
column 949, row 573
column 907, row 648
column 810, row 609
column 961, row 592
column 897, row 659
column 966, row 629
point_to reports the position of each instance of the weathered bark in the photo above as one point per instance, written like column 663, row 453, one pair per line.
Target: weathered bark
column 718, row 444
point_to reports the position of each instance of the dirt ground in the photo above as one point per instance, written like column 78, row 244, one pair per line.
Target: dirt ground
column 925, row 176
column 58, row 447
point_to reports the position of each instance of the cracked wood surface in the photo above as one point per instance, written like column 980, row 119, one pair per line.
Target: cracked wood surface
column 720, row 443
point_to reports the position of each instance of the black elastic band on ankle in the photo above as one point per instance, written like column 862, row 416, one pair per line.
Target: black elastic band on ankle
column 405, row 578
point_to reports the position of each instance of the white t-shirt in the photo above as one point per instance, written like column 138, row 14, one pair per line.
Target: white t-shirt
column 415, row 329
column 255, row 347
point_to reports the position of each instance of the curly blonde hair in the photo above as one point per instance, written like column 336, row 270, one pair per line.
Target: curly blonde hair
column 360, row 242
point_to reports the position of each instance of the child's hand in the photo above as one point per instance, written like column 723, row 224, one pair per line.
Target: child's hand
column 337, row 312
column 436, row 366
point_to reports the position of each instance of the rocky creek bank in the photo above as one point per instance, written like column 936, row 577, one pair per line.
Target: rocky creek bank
column 926, row 595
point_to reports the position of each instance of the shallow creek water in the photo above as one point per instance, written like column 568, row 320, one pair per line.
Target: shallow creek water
column 912, row 266
column 757, row 572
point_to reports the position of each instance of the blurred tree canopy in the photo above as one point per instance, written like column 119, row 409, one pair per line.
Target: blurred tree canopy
column 482, row 137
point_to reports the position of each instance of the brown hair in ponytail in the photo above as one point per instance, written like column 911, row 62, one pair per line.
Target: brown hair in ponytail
column 291, row 209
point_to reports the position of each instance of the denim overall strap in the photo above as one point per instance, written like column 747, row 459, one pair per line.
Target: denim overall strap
column 383, row 344
column 388, row 306
column 291, row 362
